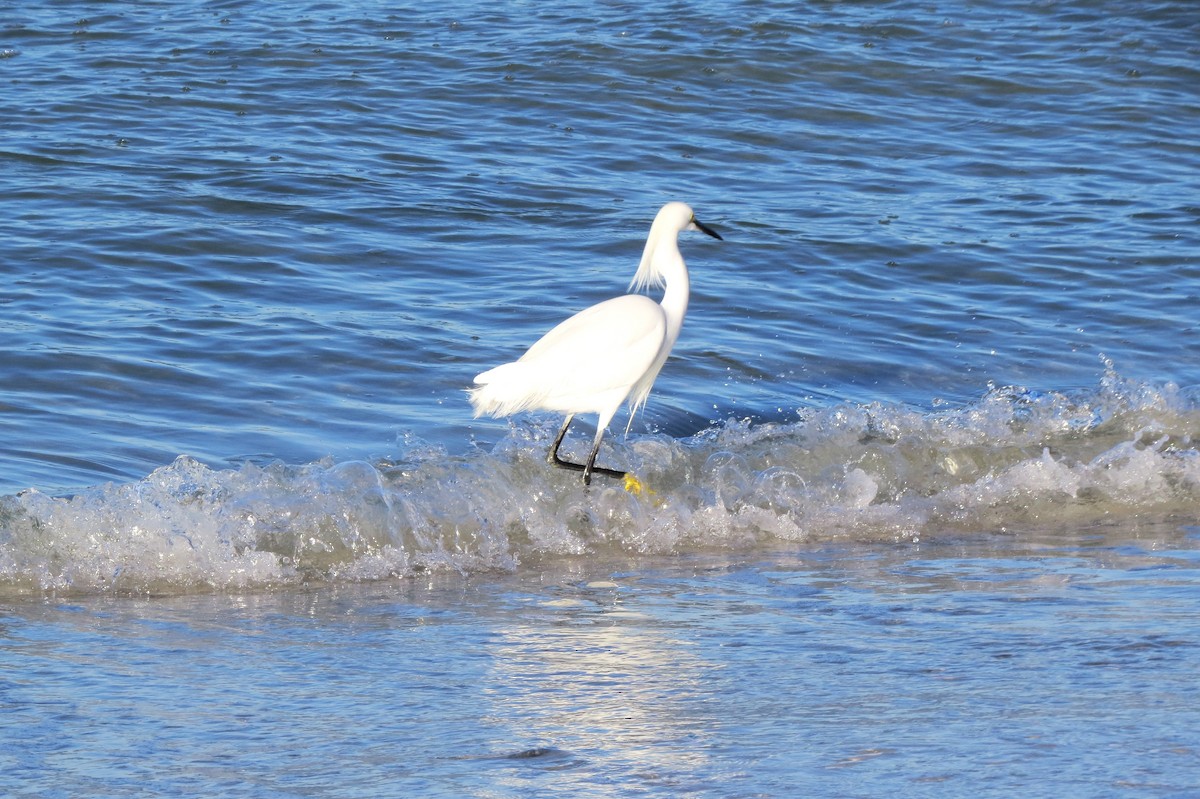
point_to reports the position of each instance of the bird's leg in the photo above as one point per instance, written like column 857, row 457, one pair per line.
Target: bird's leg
column 591, row 467
column 552, row 456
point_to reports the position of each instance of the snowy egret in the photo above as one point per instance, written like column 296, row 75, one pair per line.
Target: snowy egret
column 594, row 361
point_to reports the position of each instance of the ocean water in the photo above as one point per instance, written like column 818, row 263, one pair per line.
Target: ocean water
column 923, row 507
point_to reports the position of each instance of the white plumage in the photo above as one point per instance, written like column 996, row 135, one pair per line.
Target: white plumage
column 605, row 354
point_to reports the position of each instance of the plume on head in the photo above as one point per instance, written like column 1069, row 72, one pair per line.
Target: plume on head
column 671, row 219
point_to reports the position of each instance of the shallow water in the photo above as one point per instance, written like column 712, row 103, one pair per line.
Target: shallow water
column 922, row 472
column 992, row 665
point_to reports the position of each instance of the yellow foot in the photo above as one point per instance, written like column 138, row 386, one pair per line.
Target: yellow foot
column 634, row 486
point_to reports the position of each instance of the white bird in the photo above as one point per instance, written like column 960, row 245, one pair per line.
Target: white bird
column 594, row 361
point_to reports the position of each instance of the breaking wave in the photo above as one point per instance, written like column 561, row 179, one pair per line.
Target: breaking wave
column 1013, row 460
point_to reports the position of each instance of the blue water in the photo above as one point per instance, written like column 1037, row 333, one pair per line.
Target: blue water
column 252, row 257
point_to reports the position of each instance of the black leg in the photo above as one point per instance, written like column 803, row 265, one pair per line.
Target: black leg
column 589, row 469
column 552, row 456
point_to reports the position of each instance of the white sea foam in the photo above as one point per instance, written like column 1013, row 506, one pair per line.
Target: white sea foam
column 1013, row 460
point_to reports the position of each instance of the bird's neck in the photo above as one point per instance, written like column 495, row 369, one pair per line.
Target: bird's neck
column 675, row 294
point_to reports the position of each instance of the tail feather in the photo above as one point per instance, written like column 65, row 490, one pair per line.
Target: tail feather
column 501, row 392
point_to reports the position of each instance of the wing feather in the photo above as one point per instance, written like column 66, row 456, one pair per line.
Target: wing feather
column 587, row 363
